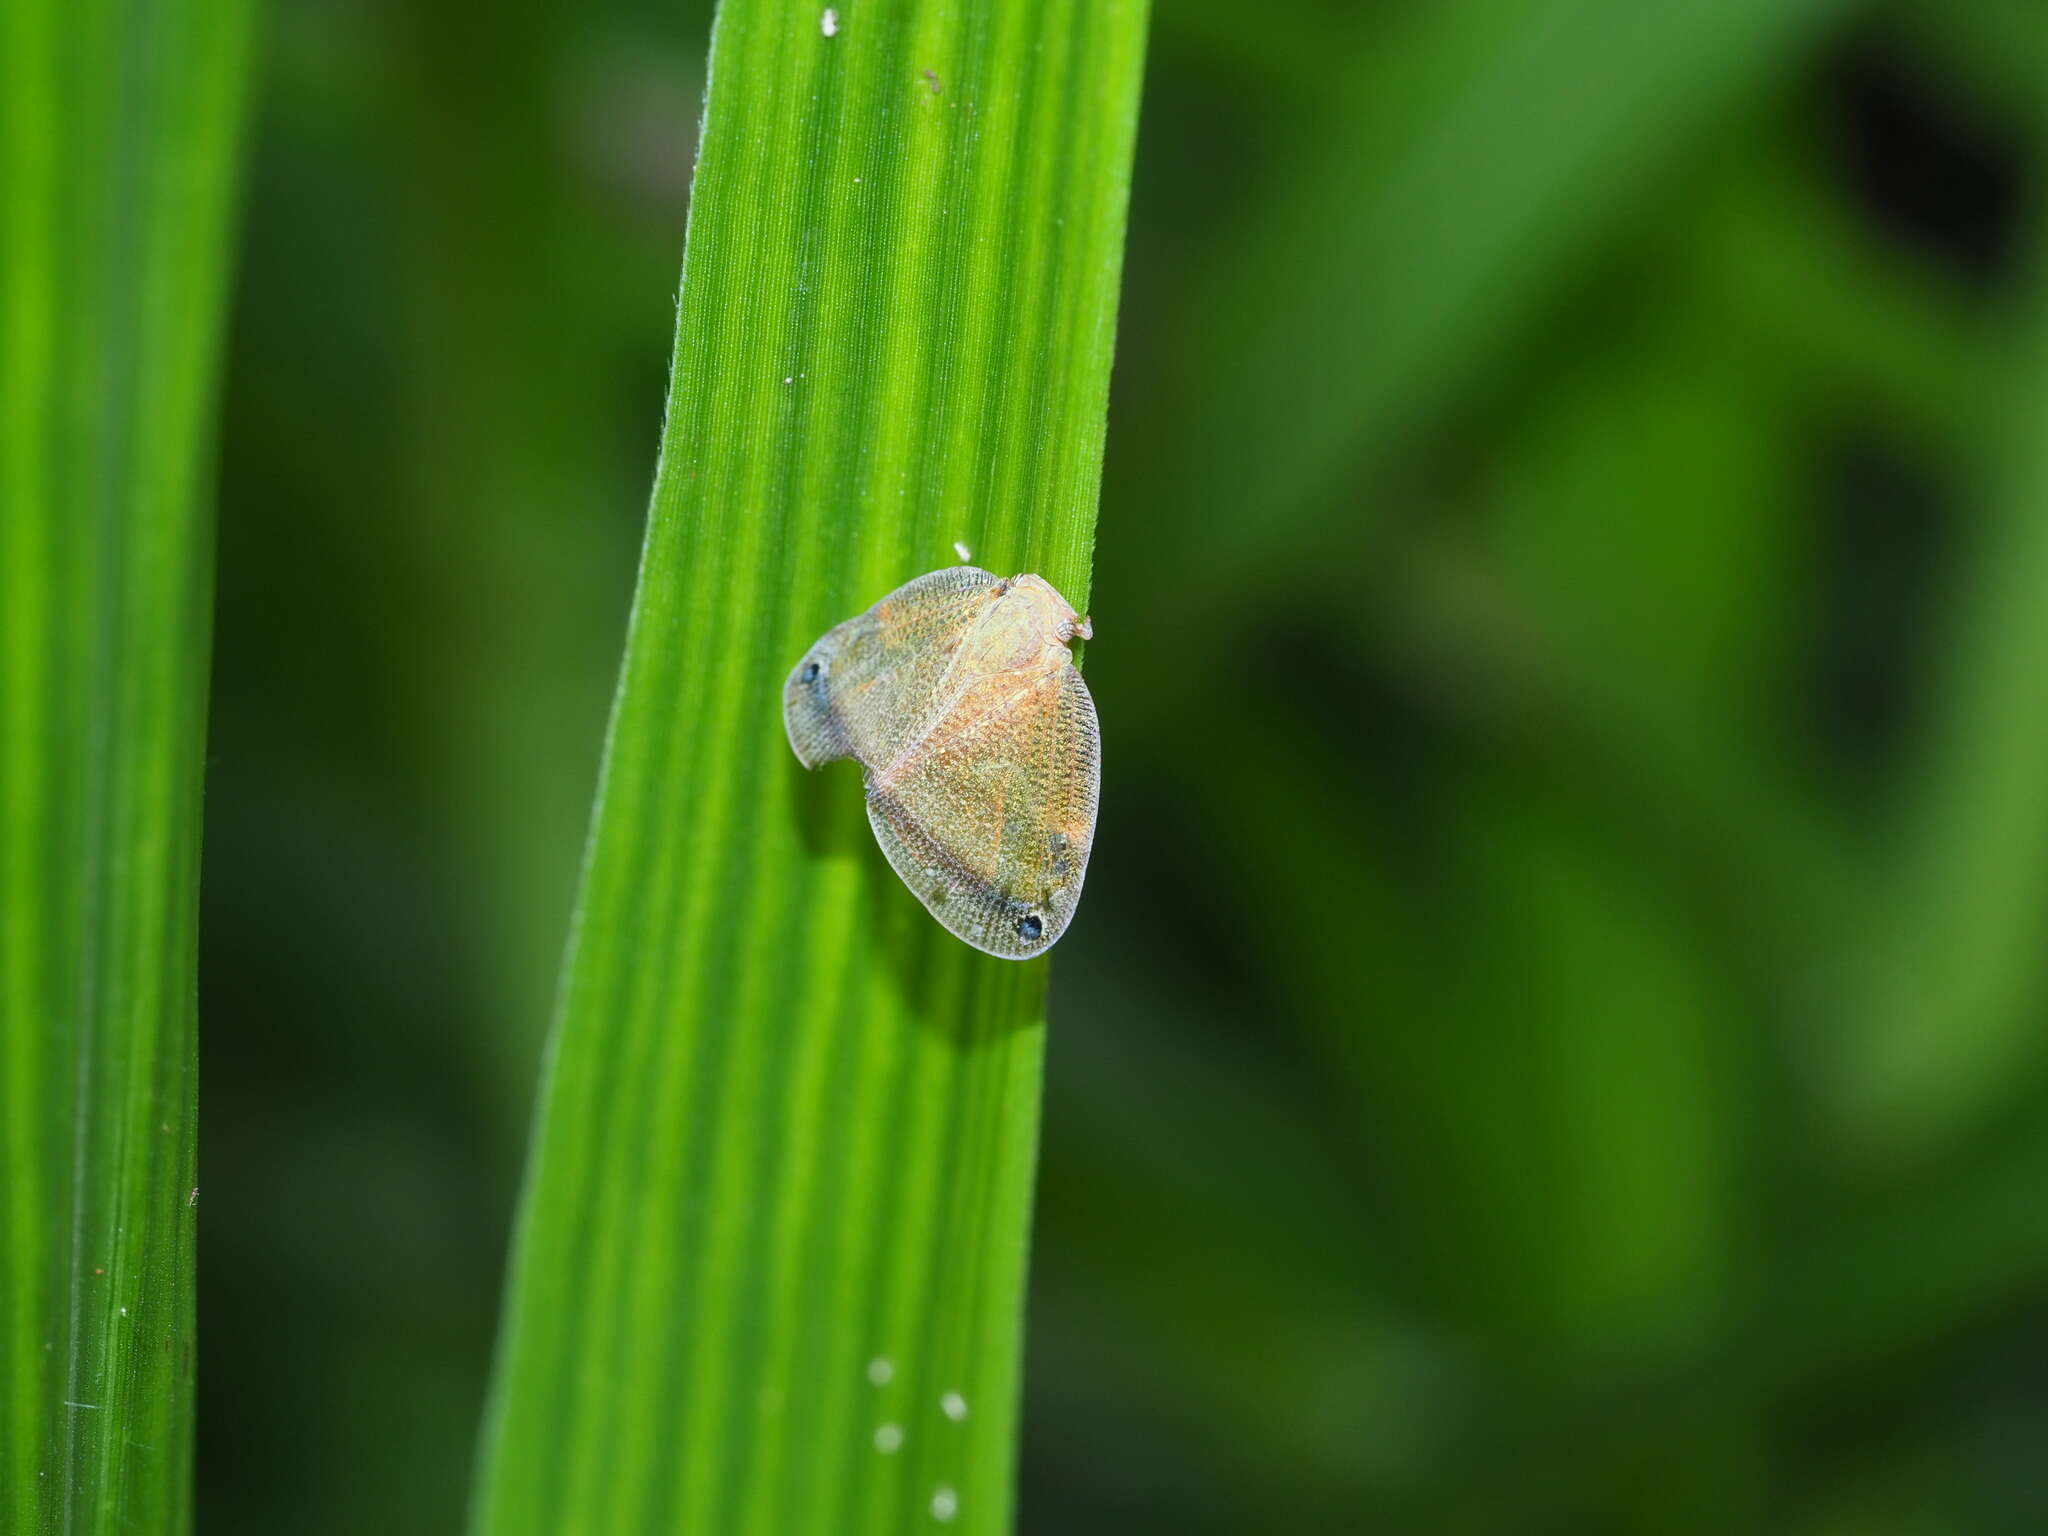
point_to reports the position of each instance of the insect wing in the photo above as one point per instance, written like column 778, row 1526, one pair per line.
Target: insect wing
column 865, row 688
column 990, row 819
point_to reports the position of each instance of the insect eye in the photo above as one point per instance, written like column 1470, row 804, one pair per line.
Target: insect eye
column 810, row 672
column 1030, row 929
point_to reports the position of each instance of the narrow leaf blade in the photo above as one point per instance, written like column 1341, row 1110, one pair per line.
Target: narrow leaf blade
column 117, row 129
column 771, row 1261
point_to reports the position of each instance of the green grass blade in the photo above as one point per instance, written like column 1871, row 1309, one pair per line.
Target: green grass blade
column 781, row 1182
column 1943, row 1018
column 117, row 127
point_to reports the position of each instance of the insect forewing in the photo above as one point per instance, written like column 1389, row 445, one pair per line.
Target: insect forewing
column 865, row 688
column 990, row 817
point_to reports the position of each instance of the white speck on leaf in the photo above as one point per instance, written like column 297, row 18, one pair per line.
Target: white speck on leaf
column 888, row 1439
column 881, row 1371
column 945, row 1503
column 954, row 1406
column 829, row 23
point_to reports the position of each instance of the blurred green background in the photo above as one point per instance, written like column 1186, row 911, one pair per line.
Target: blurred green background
column 1553, row 1041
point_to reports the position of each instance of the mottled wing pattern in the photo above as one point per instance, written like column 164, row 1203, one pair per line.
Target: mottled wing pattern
column 989, row 819
column 864, row 688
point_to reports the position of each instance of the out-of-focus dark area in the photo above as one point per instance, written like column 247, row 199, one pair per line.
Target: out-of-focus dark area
column 1554, row 1041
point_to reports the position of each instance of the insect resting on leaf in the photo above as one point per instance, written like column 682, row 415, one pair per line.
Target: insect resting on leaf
column 960, row 700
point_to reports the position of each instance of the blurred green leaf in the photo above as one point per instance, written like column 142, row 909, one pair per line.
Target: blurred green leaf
column 117, row 130
column 781, row 1180
column 1484, row 152
column 1945, row 1018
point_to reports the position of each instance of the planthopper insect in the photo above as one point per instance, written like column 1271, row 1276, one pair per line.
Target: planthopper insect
column 958, row 696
